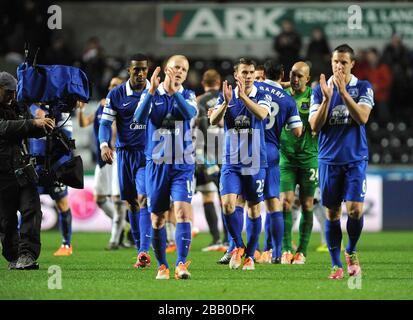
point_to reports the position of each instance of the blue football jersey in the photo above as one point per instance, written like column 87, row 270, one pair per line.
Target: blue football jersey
column 244, row 141
column 96, row 123
column 120, row 105
column 283, row 112
column 169, row 132
column 341, row 140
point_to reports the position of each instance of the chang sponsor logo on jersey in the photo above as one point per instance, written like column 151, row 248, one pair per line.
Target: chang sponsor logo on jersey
column 242, row 124
column 340, row 115
column 137, row 126
column 169, row 126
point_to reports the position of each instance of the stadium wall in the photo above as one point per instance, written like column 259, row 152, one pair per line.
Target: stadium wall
column 230, row 30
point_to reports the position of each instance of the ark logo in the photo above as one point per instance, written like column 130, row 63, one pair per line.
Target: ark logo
column 220, row 23
column 170, row 28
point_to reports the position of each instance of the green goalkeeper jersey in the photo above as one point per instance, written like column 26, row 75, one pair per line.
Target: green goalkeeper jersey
column 303, row 151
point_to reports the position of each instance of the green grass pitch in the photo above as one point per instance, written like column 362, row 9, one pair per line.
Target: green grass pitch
column 92, row 273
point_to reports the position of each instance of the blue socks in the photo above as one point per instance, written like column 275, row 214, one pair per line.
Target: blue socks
column 277, row 232
column 134, row 225
column 253, row 235
column 65, row 226
column 239, row 211
column 354, row 227
column 145, row 227
column 333, row 239
column 267, row 233
column 234, row 226
column 183, row 241
column 159, row 245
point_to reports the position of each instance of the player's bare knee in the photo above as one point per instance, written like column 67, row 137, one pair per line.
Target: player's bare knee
column 133, row 205
column 333, row 214
column 355, row 213
column 158, row 221
column 100, row 200
column 307, row 204
column 228, row 207
column 142, row 201
column 62, row 204
column 240, row 201
column 182, row 214
column 273, row 205
column 208, row 197
column 287, row 204
column 254, row 210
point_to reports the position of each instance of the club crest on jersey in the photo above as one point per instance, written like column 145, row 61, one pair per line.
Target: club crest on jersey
column 340, row 115
column 305, row 106
column 353, row 92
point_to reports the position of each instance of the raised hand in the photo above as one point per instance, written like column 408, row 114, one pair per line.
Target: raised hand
column 241, row 86
column 227, row 91
column 340, row 81
column 172, row 86
column 155, row 81
column 327, row 90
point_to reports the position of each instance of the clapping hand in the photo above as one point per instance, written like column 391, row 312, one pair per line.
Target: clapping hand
column 170, row 81
column 327, row 90
column 155, row 81
column 227, row 92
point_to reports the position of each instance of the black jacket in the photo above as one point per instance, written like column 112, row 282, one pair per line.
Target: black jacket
column 12, row 137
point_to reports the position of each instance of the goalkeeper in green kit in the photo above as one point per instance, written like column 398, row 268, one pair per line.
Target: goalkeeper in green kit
column 298, row 166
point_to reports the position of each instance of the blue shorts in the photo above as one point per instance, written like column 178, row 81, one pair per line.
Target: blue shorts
column 131, row 172
column 342, row 182
column 251, row 187
column 55, row 192
column 166, row 182
column 272, row 182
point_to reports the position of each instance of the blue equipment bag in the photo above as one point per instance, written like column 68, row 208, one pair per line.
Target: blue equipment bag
column 51, row 83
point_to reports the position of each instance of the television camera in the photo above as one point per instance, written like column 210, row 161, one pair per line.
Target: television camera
column 56, row 89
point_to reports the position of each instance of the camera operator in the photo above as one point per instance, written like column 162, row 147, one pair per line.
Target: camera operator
column 18, row 179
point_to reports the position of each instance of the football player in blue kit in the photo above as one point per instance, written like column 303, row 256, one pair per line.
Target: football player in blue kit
column 106, row 181
column 244, row 110
column 167, row 109
column 59, row 193
column 120, row 106
column 283, row 113
column 339, row 110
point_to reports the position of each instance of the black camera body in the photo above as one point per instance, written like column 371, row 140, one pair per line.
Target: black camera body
column 26, row 175
column 58, row 146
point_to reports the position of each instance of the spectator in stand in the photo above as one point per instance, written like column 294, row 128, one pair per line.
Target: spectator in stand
column 318, row 53
column 287, row 45
column 34, row 16
column 93, row 61
column 396, row 56
column 60, row 53
column 380, row 77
